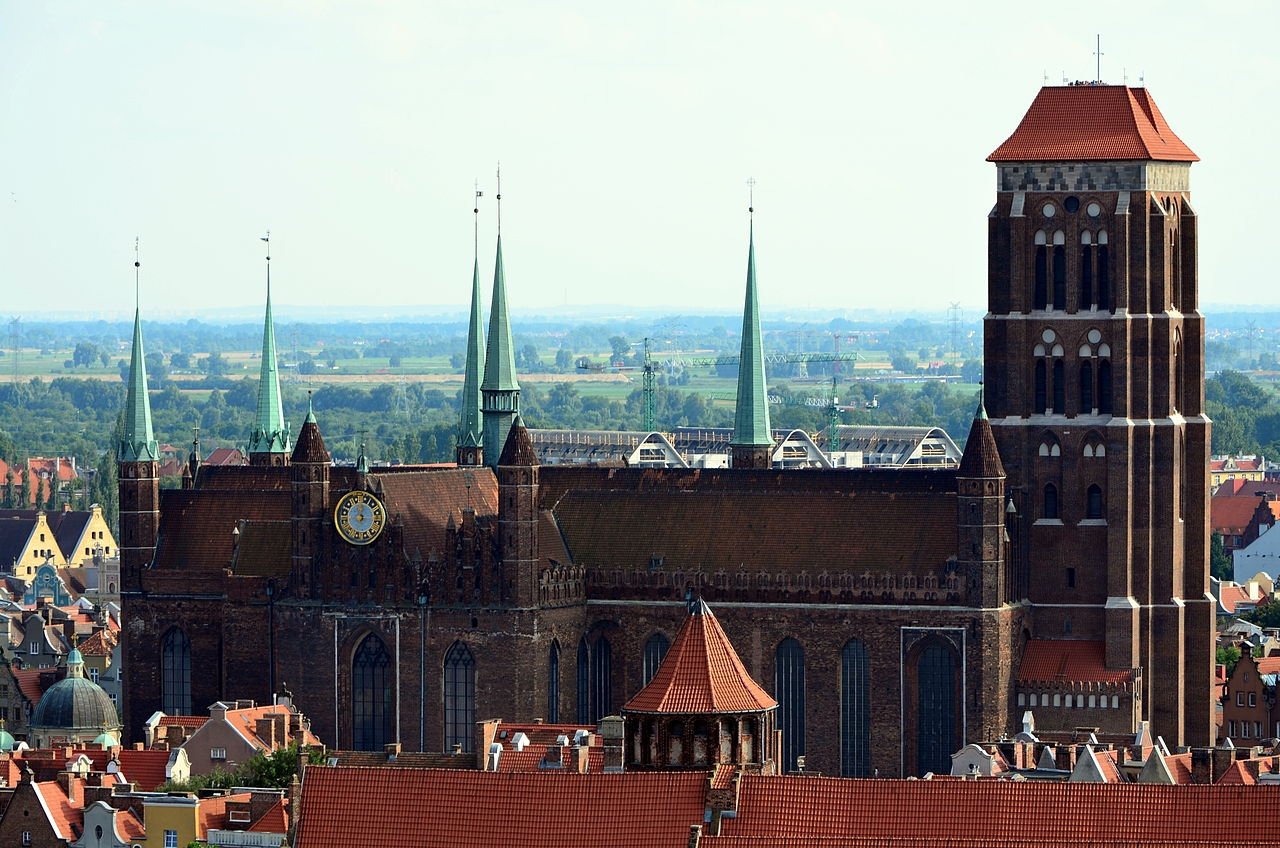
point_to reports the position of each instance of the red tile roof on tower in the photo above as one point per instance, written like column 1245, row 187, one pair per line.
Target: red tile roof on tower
column 1068, row 661
column 274, row 820
column 345, row 805
column 1078, row 123
column 701, row 673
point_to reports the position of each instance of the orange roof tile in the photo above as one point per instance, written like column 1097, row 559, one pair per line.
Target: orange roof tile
column 192, row 722
column 212, row 812
column 1092, row 122
column 130, row 827
column 443, row 807
column 1231, row 514
column 274, row 820
column 978, row 811
column 701, row 673
column 722, row 777
column 1068, row 661
column 62, row 816
column 1230, row 596
column 28, row 680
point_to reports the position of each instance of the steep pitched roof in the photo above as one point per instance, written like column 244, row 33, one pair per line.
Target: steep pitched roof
column 981, row 456
column 470, row 423
column 310, row 445
column 64, row 818
column 1092, row 122
column 983, row 812
column 196, row 524
column 701, row 673
column 531, row 809
column 500, row 357
column 424, row 500
column 519, row 448
column 138, row 441
column 1231, row 514
column 274, row 820
column 751, row 415
column 1068, row 661
column 265, row 549
column 270, row 432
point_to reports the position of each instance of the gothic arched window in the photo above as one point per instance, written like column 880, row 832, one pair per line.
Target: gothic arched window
column 175, row 673
column 1050, row 505
column 601, row 679
column 1042, row 389
column 553, row 683
column 372, row 697
column 584, row 682
column 788, row 680
column 1086, row 387
column 1059, row 271
column 1086, row 271
column 1104, row 387
column 1104, row 274
column 936, row 716
column 1040, row 291
column 1093, row 507
column 1059, row 386
column 459, row 698
column 855, row 722
column 655, row 648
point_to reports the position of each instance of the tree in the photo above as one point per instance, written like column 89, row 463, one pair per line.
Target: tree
column 10, row 496
column 1265, row 614
column 529, row 359
column 564, row 359
column 619, row 346
column 85, row 354
column 899, row 361
column 1228, row 656
column 1219, row 562
column 24, row 491
column 180, row 360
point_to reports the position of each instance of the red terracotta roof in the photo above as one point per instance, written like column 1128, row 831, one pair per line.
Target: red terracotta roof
column 519, row 447
column 701, row 673
column 28, row 680
column 130, row 827
column 1068, row 661
column 196, row 524
column 1233, row 464
column 1090, row 123
column 144, row 769
column 1268, row 665
column 224, row 456
column 100, row 644
column 1230, row 596
column 274, row 820
column 212, row 812
column 61, row 814
column 981, row 456
column 982, row 810
column 1232, row 514
column 440, row 807
column 310, row 445
column 722, row 777
column 425, row 499
column 1026, row 840
column 192, row 722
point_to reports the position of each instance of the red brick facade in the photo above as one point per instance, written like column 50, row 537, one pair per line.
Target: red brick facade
column 942, row 576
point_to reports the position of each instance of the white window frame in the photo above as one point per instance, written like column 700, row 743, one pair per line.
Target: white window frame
column 217, row 753
column 171, row 839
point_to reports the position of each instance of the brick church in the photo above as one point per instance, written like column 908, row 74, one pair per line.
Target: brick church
column 1062, row 568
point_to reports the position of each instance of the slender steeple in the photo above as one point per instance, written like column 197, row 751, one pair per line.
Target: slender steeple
column 470, row 424
column 138, row 442
column 269, row 441
column 752, row 442
column 500, row 392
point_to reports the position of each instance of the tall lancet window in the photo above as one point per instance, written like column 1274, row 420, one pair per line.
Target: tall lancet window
column 372, row 696
column 459, row 698
column 855, row 711
column 175, row 673
column 788, row 679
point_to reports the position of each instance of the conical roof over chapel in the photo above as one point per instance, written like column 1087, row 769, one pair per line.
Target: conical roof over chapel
column 701, row 673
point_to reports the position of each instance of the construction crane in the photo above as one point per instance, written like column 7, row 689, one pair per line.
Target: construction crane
column 831, row 405
column 649, row 382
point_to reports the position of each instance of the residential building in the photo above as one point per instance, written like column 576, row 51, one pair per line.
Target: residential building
column 1248, row 468
column 238, row 730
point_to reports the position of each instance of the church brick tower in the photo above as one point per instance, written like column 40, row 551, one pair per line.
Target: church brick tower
column 309, row 480
column 138, row 470
column 1095, row 386
column 518, row 517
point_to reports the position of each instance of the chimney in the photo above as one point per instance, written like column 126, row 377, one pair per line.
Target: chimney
column 554, row 757
column 1252, row 766
column 584, row 760
column 486, row 734
column 1222, row 760
column 695, row 835
column 1201, row 766
column 612, row 733
column 391, row 750
column 265, row 728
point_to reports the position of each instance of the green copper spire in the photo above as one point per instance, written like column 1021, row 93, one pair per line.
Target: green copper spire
column 500, row 392
column 311, row 413
column 270, row 434
column 751, row 420
column 138, row 442
column 470, row 424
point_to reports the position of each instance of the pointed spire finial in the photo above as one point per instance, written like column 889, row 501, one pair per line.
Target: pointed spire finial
column 982, row 400
column 270, row 435
column 499, row 199
column 752, row 434
column 470, row 426
column 137, row 275
column 139, row 442
column 362, row 464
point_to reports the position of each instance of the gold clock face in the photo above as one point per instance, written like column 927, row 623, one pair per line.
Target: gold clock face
column 359, row 517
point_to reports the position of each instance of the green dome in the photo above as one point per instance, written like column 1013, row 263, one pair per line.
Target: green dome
column 105, row 740
column 75, row 702
column 6, row 741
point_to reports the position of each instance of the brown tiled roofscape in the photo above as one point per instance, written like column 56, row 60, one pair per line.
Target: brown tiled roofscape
column 701, row 673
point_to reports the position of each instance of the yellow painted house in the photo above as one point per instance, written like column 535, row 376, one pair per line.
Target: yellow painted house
column 31, row 537
column 1224, row 468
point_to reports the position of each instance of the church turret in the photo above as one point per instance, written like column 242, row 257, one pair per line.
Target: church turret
column 518, row 517
column 701, row 708
column 500, row 391
column 139, row 466
column 981, row 516
column 309, row 476
column 470, row 425
column 192, row 469
column 269, row 441
column 752, row 445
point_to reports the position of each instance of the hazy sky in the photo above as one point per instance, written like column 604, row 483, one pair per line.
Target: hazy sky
column 626, row 134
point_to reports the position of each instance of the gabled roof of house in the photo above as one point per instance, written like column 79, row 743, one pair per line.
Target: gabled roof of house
column 1231, row 595
column 224, row 456
column 701, row 673
column 1068, row 661
column 531, row 809
column 58, row 810
column 29, row 683
column 14, row 534
column 1231, row 514
column 211, row 813
column 1078, row 123
column 100, row 644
